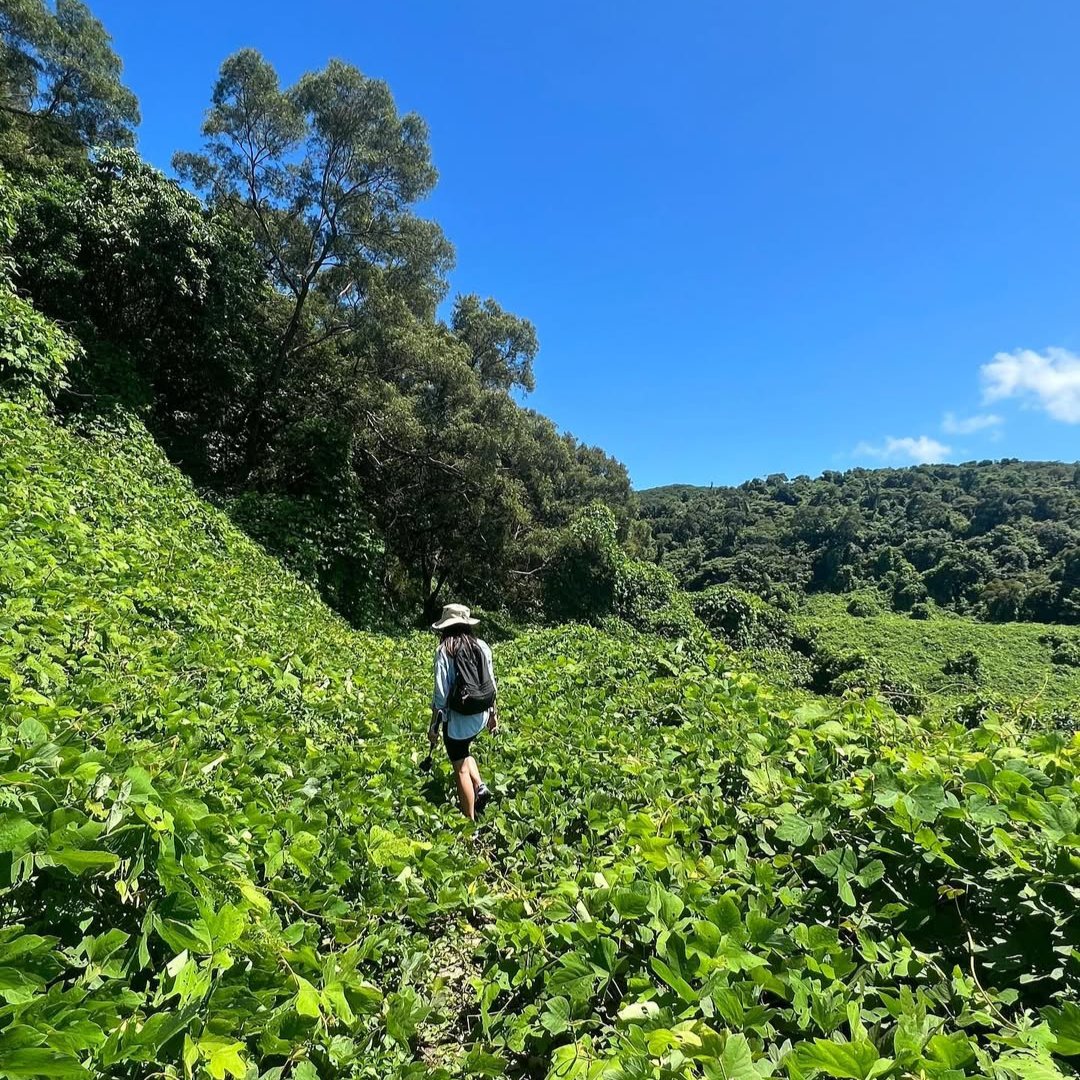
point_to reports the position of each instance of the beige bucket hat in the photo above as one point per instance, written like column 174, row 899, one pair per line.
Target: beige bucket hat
column 454, row 615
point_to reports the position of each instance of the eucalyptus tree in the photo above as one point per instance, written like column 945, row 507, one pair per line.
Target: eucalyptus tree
column 59, row 72
column 324, row 174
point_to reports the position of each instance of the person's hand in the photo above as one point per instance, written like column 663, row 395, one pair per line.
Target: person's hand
column 433, row 731
column 493, row 721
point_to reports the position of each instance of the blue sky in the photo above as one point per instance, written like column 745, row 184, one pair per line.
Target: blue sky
column 754, row 238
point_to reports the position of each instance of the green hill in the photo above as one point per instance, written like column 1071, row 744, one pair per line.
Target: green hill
column 218, row 857
column 1031, row 668
column 995, row 539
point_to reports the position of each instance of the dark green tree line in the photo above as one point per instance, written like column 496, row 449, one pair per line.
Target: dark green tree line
column 998, row 539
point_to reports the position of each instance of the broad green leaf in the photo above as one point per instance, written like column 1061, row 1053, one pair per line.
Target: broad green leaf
column 794, row 830
column 223, row 1056
column 32, row 732
column 953, row 1051
column 40, row 1061
column 1064, row 1022
column 573, row 977
column 674, row 980
column 14, row 833
column 629, row 904
column 82, row 862
column 306, row 1001
column 737, row 1060
column 17, row 986
column 556, row 1015
column 925, row 801
column 1030, row 1066
column 638, row 1011
column 847, row 1061
column 479, row 1062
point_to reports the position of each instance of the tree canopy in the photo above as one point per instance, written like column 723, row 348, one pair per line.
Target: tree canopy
column 58, row 68
column 278, row 326
column 1000, row 539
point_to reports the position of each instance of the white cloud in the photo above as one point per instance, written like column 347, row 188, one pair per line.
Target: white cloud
column 1050, row 381
column 919, row 450
column 952, row 424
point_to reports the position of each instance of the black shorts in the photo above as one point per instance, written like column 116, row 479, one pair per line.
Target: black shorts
column 456, row 749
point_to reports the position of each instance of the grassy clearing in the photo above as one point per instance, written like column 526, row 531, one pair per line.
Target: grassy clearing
column 1015, row 659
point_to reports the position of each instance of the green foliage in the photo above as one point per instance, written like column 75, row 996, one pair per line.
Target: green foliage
column 864, row 606
column 34, row 351
column 59, row 72
column 649, row 598
column 291, row 360
column 589, row 578
column 217, row 853
column 992, row 539
column 966, row 663
column 1067, row 654
column 1012, row 666
column 582, row 574
column 841, row 672
column 330, row 543
column 322, row 175
column 740, row 618
column 167, row 299
column 501, row 346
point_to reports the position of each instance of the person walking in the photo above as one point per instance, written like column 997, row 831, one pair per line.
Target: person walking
column 463, row 703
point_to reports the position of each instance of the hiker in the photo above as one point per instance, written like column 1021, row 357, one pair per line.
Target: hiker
column 464, row 701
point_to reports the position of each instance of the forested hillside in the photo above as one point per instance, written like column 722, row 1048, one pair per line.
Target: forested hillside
column 284, row 336
column 998, row 539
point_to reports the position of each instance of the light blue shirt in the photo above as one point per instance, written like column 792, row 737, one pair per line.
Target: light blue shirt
column 458, row 725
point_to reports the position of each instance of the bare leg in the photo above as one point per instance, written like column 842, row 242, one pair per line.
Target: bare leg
column 465, row 790
column 474, row 772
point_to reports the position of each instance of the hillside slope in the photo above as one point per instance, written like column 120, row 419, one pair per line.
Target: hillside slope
column 218, row 858
column 1000, row 539
column 959, row 661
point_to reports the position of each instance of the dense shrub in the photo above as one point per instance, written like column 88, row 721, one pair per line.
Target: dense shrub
column 589, row 578
column 331, row 543
column 864, row 606
column 649, row 598
column 1067, row 654
column 966, row 664
column 581, row 576
column 34, row 351
column 921, row 611
column 741, row 619
column 844, row 671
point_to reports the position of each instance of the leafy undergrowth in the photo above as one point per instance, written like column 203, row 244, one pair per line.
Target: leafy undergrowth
column 219, row 858
column 1026, row 667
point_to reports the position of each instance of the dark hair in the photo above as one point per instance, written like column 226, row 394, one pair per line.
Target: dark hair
column 452, row 636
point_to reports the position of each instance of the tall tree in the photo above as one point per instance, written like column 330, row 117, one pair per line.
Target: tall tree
column 324, row 174
column 502, row 346
column 58, row 70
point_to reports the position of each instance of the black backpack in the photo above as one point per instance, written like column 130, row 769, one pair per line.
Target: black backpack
column 473, row 690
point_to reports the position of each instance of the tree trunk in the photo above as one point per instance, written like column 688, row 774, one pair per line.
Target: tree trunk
column 255, row 441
